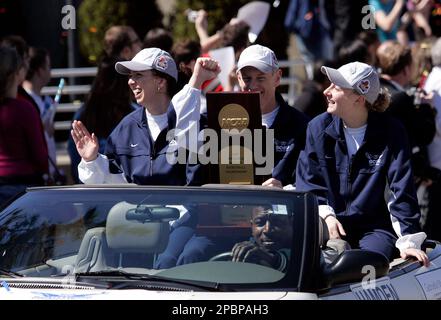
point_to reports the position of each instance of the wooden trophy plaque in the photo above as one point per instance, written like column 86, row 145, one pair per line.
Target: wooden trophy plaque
column 234, row 116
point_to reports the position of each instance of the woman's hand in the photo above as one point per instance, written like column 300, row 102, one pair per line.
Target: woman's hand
column 271, row 182
column 87, row 144
column 201, row 22
column 204, row 69
column 335, row 227
column 420, row 255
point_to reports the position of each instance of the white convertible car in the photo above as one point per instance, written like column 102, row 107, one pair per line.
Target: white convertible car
column 190, row 243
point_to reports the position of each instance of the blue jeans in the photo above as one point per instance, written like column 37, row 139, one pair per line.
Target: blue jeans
column 184, row 246
column 313, row 49
column 378, row 240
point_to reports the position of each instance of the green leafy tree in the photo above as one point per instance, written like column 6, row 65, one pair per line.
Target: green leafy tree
column 220, row 12
column 96, row 16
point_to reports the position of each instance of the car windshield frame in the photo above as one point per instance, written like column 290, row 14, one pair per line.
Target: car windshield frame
column 222, row 194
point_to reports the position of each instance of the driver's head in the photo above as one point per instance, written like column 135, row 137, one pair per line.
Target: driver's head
column 271, row 231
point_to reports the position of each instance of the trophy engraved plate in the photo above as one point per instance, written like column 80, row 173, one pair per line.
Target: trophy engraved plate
column 234, row 116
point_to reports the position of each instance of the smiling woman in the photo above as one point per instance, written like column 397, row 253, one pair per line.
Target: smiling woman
column 357, row 161
column 106, row 105
column 136, row 149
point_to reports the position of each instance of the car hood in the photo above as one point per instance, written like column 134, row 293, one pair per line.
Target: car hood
column 31, row 288
column 137, row 294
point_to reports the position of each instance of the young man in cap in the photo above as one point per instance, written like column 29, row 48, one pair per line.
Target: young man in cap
column 258, row 71
column 354, row 155
column 137, row 149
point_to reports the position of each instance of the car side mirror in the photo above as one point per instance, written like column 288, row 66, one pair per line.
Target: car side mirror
column 348, row 266
column 149, row 213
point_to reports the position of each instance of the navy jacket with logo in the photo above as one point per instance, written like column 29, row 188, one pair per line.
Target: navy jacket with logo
column 370, row 189
column 289, row 139
column 131, row 148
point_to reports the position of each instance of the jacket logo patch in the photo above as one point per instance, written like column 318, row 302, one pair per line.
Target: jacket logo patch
column 374, row 159
column 133, row 145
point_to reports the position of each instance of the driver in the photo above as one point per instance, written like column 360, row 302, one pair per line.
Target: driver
column 272, row 237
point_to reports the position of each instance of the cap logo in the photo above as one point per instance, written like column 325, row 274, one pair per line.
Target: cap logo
column 364, row 86
column 161, row 62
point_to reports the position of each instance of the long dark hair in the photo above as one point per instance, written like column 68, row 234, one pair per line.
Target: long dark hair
column 10, row 62
column 37, row 60
column 116, row 39
column 108, row 101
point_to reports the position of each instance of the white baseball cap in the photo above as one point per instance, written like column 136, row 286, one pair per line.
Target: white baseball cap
column 148, row 59
column 259, row 57
column 358, row 76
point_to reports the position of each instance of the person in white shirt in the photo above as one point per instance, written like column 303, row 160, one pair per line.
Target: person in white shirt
column 39, row 75
column 258, row 71
column 357, row 162
column 136, row 151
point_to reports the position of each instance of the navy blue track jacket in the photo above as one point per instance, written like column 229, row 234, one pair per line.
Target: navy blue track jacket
column 130, row 147
column 370, row 189
column 289, row 139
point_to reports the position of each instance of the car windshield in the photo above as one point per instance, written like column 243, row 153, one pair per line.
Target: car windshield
column 192, row 234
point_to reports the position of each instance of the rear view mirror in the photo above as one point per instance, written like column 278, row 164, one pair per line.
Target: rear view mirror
column 152, row 213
